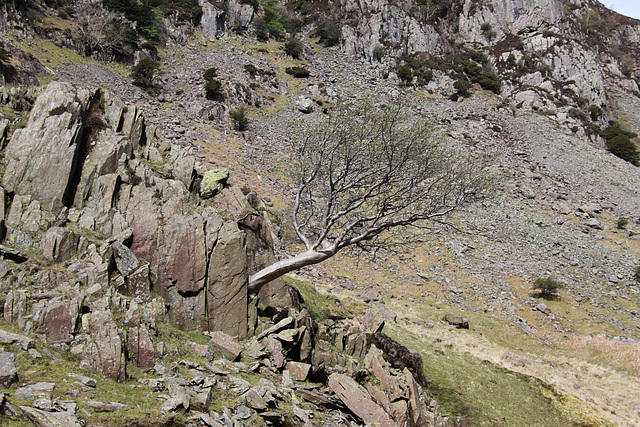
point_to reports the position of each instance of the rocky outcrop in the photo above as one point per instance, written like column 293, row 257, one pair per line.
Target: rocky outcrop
column 44, row 158
column 78, row 161
column 385, row 23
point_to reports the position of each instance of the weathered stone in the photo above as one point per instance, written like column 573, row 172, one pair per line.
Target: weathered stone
column 212, row 20
column 212, row 182
column 227, row 283
column 106, row 151
column 138, row 282
column 202, row 400
column 172, row 404
column 8, row 372
column 33, row 391
column 181, row 265
column 284, row 323
column 42, row 157
column 317, row 399
column 304, row 104
column 15, row 307
column 375, row 363
column 370, row 296
column 133, row 126
column 273, row 417
column 13, row 254
column 44, row 404
column 59, row 244
column 126, row 261
column 358, row 400
column 202, row 350
column 299, row 371
column 400, row 412
column 84, row 380
column 275, row 346
column 543, row 308
column 104, row 407
column 59, row 320
column 457, row 321
column 105, row 353
column 50, row 419
column 417, row 406
column 225, row 345
column 21, row 341
column 5, row 407
column 183, row 169
column 255, row 400
column 141, row 346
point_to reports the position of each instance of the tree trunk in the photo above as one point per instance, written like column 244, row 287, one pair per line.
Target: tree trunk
column 280, row 268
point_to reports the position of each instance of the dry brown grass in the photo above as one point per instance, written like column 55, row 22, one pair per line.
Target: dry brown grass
column 612, row 351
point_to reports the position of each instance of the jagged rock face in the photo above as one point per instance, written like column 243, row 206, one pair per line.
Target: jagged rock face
column 381, row 21
column 79, row 159
column 212, row 19
column 44, row 157
column 509, row 16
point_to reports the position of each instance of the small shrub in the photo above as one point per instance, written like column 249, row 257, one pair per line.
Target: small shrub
column 143, row 74
column 297, row 72
column 490, row 81
column 462, row 86
column 622, row 223
column 548, row 287
column 276, row 29
column 210, row 73
column 577, row 113
column 624, row 148
column 239, row 118
column 545, row 69
column 329, row 33
column 260, row 29
column 520, row 45
column 379, row 52
column 294, row 47
column 213, row 89
column 636, row 274
column 251, row 69
column 405, row 74
column 487, row 30
column 595, row 112
column 580, row 101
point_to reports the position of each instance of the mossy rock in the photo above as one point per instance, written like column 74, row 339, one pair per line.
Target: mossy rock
column 212, row 182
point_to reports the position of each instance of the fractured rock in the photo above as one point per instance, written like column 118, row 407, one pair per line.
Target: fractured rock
column 50, row 419
column 8, row 372
column 42, row 157
column 225, row 345
column 106, row 351
column 359, row 401
column 21, row 341
column 33, row 391
column 299, row 371
column 59, row 320
column 59, row 244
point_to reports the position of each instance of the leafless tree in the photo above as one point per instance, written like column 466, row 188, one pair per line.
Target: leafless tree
column 104, row 34
column 366, row 171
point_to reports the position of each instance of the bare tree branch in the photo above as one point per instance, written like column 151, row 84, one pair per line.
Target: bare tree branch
column 369, row 169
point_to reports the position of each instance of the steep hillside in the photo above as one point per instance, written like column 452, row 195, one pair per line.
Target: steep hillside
column 137, row 206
